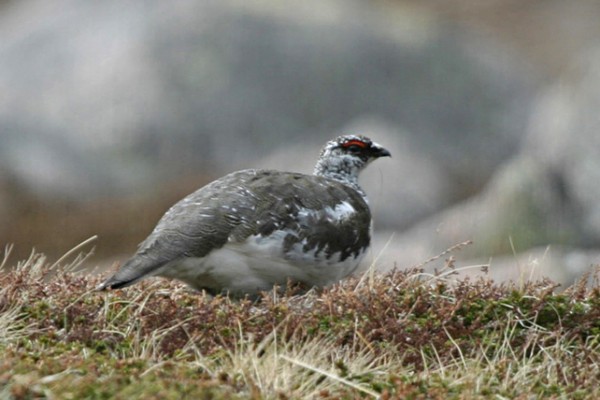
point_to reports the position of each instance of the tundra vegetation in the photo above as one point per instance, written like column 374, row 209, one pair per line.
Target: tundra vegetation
column 402, row 334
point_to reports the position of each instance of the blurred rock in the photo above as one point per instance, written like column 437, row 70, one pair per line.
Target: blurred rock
column 546, row 195
column 523, row 206
column 133, row 94
column 565, row 138
column 564, row 265
column 549, row 34
column 47, row 166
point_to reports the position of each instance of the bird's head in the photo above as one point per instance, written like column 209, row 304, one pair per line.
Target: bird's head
column 346, row 156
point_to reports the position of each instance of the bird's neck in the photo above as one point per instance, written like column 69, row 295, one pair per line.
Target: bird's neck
column 342, row 170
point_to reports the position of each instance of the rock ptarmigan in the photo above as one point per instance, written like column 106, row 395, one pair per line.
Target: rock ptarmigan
column 253, row 229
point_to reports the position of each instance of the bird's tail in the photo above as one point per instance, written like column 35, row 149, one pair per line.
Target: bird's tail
column 134, row 270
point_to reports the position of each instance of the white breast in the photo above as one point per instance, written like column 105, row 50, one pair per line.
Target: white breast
column 258, row 263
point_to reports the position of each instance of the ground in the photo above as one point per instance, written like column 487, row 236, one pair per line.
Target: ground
column 405, row 334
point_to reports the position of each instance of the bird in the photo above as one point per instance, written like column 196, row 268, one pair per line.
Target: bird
column 255, row 229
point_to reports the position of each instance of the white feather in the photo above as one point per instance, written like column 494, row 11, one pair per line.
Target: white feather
column 258, row 263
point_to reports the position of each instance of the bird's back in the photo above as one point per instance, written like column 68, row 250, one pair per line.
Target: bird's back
column 314, row 228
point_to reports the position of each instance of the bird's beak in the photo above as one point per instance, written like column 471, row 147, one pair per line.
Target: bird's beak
column 378, row 151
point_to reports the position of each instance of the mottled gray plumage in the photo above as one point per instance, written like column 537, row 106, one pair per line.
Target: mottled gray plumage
column 270, row 226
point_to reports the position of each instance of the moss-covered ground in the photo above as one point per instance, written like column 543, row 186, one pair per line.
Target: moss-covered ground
column 403, row 334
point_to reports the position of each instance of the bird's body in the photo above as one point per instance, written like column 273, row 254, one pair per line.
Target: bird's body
column 253, row 229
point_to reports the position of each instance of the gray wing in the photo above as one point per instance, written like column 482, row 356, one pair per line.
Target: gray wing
column 193, row 227
column 249, row 203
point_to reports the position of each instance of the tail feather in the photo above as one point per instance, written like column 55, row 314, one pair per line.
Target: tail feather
column 134, row 270
column 114, row 283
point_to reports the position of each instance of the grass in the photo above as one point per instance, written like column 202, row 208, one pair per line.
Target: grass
column 404, row 334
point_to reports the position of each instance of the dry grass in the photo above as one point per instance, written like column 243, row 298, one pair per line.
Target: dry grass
column 400, row 335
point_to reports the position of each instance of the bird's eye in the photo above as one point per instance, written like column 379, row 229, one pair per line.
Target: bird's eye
column 354, row 148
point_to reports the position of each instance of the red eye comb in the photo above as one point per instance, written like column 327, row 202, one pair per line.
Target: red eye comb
column 355, row 143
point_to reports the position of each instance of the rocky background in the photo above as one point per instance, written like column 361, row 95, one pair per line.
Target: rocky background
column 110, row 111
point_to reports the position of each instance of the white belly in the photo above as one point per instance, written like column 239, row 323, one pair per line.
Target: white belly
column 258, row 264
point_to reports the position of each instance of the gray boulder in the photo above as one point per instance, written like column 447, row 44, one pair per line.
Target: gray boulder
column 521, row 207
column 565, row 138
column 133, row 94
column 547, row 194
